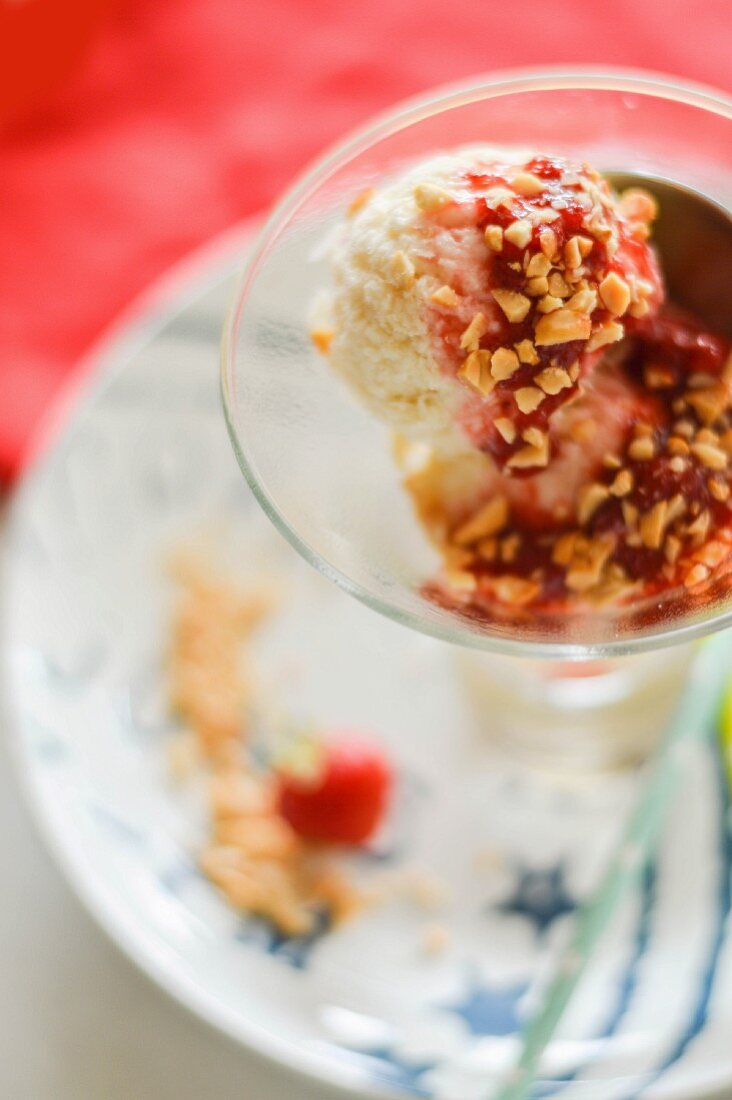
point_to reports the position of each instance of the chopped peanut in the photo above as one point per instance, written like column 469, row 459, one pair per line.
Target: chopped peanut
column 476, row 370
column 322, row 338
column 526, row 352
column 505, row 428
column 494, row 238
column 489, row 520
column 504, row 363
column 429, row 198
column 477, row 328
column 562, row 326
column 527, row 184
column 528, row 398
column 615, row 294
column 518, row 233
column 513, row 304
column 553, row 380
column 446, row 297
column 538, row 265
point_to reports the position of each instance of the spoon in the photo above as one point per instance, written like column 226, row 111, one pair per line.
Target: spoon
column 693, row 236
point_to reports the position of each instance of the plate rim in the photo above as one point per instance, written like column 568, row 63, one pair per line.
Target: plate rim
column 138, row 324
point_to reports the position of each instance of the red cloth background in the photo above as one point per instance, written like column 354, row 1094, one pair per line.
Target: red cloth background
column 133, row 134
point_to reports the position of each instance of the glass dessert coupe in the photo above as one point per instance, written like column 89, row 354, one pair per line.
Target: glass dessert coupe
column 578, row 692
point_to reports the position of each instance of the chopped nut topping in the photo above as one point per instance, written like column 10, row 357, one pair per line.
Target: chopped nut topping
column 499, row 196
column 677, row 464
column 563, row 551
column 359, row 201
column 548, row 243
column 545, row 214
column 709, row 455
column 477, row 371
column 584, row 301
column 699, row 528
column 462, row 580
column 615, row 294
column 622, row 484
column 713, row 554
column 557, row 286
column 573, row 370
column 586, row 572
column 538, row 265
column 504, row 363
column 553, row 379
column 527, row 352
column 549, row 303
column 658, row 378
column 696, row 575
column 709, row 403
column 637, row 204
column 535, row 436
column 446, row 297
column 515, row 590
column 528, row 398
column 494, row 238
column 630, row 514
column 487, row 549
column 505, row 428
column 639, row 309
column 477, row 328
column 322, row 338
column 720, row 490
column 513, row 304
column 725, row 441
column 509, row 547
column 531, row 455
column 641, row 449
column 611, row 462
column 562, row 326
column 402, row 270
column 518, row 233
column 489, row 520
column 676, row 508
column 685, row 429
column 607, row 333
column 600, row 229
column 589, row 499
column 653, row 525
column 429, row 197
column 527, row 184
column 572, row 254
column 537, row 286
column 585, row 246
column 671, row 548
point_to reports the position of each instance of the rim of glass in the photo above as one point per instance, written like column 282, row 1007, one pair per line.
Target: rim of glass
column 402, row 115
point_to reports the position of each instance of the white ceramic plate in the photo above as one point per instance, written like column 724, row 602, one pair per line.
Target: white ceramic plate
column 143, row 462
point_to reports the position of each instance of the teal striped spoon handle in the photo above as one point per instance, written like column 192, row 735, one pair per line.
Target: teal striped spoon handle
column 694, row 720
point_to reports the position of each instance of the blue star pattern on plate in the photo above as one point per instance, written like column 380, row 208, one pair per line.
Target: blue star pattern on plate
column 490, row 1010
column 540, row 895
column 293, row 950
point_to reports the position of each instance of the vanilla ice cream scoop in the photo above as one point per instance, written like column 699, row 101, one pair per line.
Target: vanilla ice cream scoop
column 473, row 294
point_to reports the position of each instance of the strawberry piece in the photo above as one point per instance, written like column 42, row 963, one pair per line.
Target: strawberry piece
column 344, row 802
